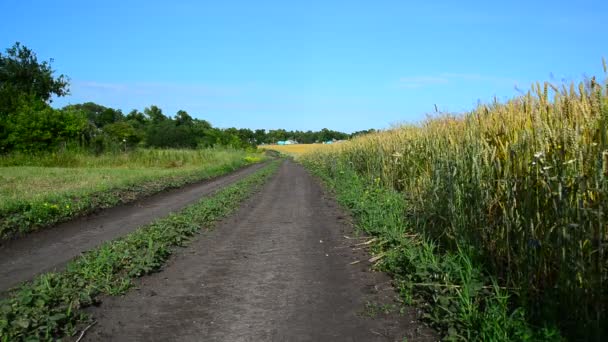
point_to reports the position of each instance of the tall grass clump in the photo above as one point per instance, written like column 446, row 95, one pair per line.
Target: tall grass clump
column 522, row 185
column 136, row 158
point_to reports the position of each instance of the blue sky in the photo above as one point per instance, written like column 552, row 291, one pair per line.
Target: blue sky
column 345, row 65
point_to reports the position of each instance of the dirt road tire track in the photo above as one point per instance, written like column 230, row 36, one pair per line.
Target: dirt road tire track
column 277, row 270
column 52, row 248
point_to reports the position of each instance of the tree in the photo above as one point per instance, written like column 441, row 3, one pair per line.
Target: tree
column 260, row 136
column 202, row 124
column 22, row 75
column 136, row 118
column 123, row 132
column 98, row 114
column 168, row 134
column 183, row 118
column 38, row 127
column 155, row 114
column 275, row 135
column 246, row 136
column 363, row 132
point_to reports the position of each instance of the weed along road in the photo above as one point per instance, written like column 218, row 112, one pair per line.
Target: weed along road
column 279, row 269
column 50, row 249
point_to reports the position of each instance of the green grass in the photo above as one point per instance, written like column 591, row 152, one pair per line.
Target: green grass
column 48, row 307
column 29, row 183
column 138, row 158
column 457, row 298
column 42, row 193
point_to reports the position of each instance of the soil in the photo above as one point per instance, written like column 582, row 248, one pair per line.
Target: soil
column 52, row 248
column 280, row 269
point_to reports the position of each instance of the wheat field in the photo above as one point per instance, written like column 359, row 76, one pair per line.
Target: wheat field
column 523, row 183
column 294, row 150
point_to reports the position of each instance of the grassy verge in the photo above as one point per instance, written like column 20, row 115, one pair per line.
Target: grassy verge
column 48, row 307
column 457, row 297
column 39, row 193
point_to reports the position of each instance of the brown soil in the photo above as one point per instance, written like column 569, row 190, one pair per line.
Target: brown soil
column 52, row 248
column 278, row 270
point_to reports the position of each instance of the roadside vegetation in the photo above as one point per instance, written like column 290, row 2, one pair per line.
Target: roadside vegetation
column 495, row 218
column 48, row 307
column 56, row 164
column 51, row 188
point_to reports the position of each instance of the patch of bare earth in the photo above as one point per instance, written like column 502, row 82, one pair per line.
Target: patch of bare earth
column 52, row 248
column 278, row 270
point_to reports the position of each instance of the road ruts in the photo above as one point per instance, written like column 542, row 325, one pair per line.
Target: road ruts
column 52, row 248
column 278, row 270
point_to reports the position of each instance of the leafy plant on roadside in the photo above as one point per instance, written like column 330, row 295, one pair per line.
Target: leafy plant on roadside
column 47, row 308
column 456, row 296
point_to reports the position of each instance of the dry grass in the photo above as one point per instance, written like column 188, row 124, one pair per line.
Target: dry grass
column 135, row 159
column 294, row 150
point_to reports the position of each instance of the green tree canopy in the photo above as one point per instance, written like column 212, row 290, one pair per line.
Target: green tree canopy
column 183, row 118
column 21, row 74
column 97, row 114
column 137, row 118
column 155, row 114
column 37, row 127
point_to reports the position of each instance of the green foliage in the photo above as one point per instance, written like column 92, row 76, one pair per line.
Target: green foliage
column 174, row 134
column 32, row 197
column 308, row 137
column 27, row 123
column 98, row 115
column 21, row 74
column 35, row 126
column 182, row 118
column 155, row 115
column 123, row 132
column 136, row 118
column 457, row 297
column 48, row 307
column 27, row 85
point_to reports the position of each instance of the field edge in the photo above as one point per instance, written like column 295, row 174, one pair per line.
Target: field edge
column 43, row 214
column 48, row 307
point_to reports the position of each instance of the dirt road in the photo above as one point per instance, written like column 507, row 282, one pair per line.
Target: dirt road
column 278, row 270
column 50, row 249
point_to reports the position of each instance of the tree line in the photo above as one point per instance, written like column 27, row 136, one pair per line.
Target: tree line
column 28, row 123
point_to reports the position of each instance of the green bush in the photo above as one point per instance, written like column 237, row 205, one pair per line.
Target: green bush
column 35, row 126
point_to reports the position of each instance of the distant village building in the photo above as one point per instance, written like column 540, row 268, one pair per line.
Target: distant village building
column 287, row 142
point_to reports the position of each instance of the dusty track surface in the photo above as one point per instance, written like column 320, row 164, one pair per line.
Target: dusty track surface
column 278, row 270
column 50, row 249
